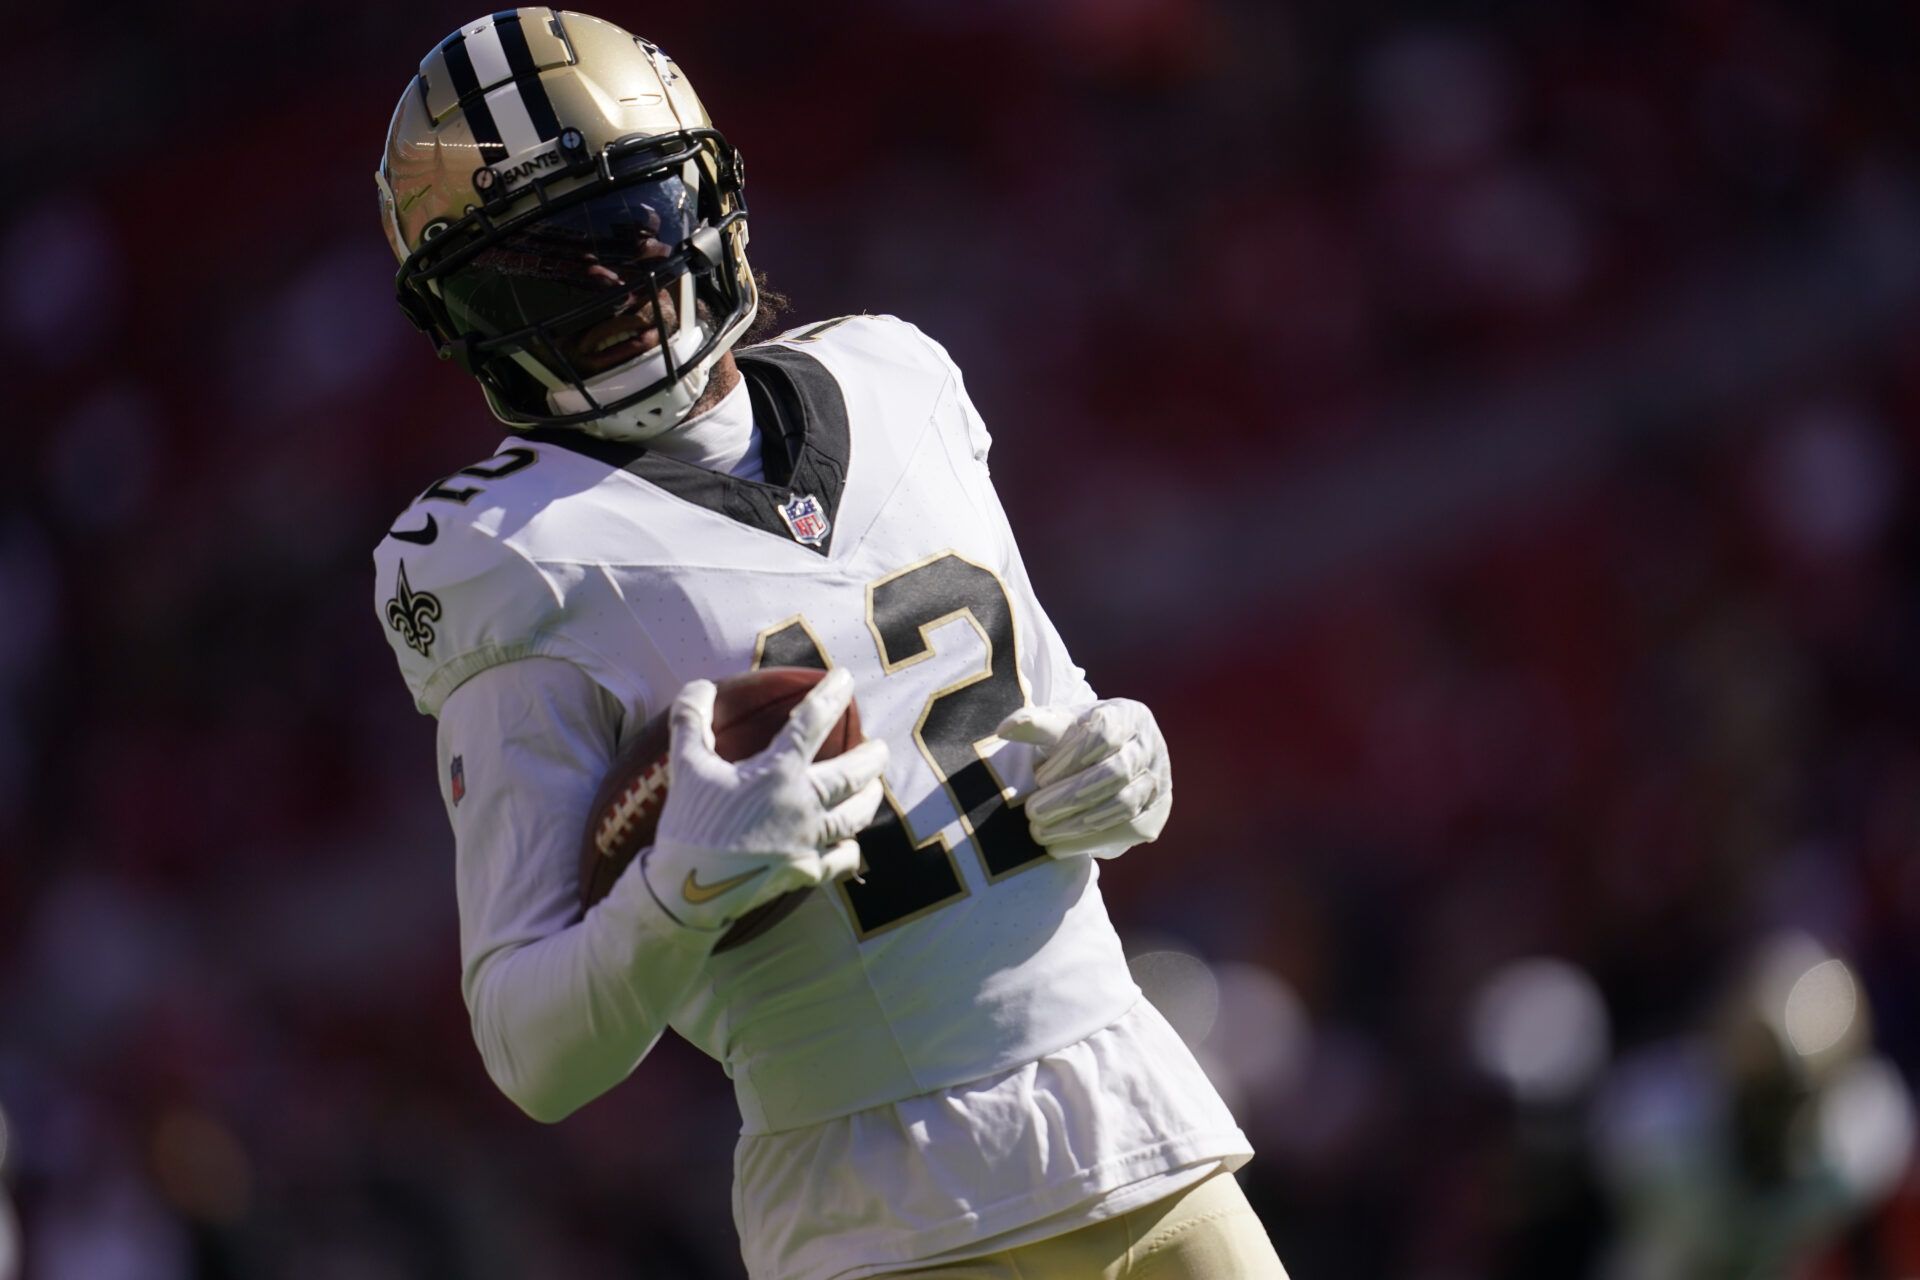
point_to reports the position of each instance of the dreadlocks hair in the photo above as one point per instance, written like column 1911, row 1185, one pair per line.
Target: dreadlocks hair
column 774, row 306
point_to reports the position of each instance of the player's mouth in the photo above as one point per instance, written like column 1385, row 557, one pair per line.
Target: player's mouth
column 615, row 341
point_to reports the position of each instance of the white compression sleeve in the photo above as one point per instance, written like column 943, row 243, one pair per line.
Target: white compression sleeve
column 563, row 1007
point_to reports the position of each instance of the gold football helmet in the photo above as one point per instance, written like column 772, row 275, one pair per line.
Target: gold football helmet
column 569, row 224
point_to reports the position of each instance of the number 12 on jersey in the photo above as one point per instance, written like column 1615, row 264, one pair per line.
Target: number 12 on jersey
column 903, row 879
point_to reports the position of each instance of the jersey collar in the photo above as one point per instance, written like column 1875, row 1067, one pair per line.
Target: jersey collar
column 804, row 441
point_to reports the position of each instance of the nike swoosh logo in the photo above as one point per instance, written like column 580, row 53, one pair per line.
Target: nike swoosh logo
column 422, row 536
column 697, row 893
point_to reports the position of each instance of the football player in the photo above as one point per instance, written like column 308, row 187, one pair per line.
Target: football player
column 941, row 1062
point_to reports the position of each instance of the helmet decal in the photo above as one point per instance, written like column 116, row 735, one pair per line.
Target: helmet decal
column 514, row 113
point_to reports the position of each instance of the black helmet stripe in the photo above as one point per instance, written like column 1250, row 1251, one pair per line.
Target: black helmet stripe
column 526, row 76
column 466, row 89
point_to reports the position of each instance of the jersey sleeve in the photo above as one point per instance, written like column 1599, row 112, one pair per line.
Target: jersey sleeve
column 1061, row 682
column 563, row 1005
column 1057, row 679
column 462, row 603
column 978, row 440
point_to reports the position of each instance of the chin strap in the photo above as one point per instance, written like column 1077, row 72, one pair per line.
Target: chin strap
column 639, row 423
column 656, row 412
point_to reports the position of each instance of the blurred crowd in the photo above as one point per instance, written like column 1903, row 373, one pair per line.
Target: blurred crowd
column 1487, row 435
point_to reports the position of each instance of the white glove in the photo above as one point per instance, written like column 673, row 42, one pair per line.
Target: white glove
column 735, row 835
column 1103, row 783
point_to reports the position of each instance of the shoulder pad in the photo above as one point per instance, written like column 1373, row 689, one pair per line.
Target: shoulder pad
column 872, row 336
column 898, row 342
column 454, row 598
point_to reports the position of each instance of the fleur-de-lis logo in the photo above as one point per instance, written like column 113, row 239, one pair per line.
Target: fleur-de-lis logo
column 413, row 613
column 670, row 70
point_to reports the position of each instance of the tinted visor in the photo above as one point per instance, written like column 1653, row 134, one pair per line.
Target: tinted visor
column 613, row 244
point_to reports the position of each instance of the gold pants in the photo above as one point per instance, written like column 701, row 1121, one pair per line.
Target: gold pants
column 1207, row 1232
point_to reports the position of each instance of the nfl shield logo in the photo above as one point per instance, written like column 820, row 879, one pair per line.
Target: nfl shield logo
column 803, row 515
column 458, row 776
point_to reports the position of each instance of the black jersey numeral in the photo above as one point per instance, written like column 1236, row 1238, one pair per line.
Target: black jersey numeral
column 789, row 644
column 901, row 610
column 501, row 464
column 813, row 333
column 903, row 879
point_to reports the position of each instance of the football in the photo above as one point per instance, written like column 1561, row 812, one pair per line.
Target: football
column 747, row 711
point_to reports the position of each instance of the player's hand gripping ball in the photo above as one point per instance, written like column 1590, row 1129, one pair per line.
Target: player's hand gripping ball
column 771, row 780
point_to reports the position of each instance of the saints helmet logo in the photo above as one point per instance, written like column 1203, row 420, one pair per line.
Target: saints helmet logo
column 413, row 613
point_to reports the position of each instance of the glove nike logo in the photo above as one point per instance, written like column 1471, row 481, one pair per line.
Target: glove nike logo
column 423, row 535
column 697, row 893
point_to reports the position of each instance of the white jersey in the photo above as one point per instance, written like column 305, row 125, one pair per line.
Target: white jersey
column 964, row 953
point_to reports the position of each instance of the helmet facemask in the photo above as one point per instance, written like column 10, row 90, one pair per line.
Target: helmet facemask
column 604, row 306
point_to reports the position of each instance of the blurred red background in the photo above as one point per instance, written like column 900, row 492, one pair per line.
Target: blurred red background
column 1487, row 436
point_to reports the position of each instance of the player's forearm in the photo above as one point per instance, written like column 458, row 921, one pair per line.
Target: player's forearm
column 561, row 1020
column 562, row 1007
